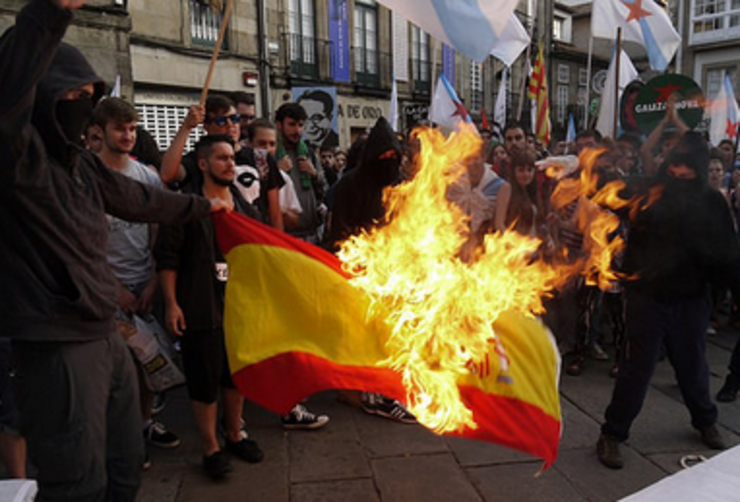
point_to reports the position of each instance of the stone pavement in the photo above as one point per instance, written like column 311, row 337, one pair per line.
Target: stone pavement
column 363, row 458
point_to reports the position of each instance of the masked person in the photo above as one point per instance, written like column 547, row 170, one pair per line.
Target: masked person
column 76, row 382
column 677, row 247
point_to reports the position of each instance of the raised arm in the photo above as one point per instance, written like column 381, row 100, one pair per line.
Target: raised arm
column 172, row 169
column 26, row 51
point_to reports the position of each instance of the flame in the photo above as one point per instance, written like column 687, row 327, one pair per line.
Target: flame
column 441, row 308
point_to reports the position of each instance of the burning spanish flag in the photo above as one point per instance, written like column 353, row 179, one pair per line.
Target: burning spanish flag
column 296, row 325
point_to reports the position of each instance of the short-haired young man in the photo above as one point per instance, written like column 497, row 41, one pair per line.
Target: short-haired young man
column 129, row 243
column 296, row 158
column 262, row 135
column 193, row 273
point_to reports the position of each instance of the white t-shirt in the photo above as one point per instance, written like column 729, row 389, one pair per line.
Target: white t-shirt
column 128, row 243
column 288, row 198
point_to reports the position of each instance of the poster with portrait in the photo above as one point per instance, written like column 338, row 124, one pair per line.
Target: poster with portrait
column 321, row 128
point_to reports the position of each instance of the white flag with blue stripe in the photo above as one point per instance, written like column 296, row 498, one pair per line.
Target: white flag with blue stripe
column 473, row 27
column 642, row 21
column 447, row 109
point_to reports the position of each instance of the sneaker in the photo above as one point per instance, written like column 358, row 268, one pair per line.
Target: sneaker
column 729, row 390
column 376, row 404
column 609, row 452
column 159, row 402
column 246, row 449
column 711, row 437
column 598, row 354
column 300, row 418
column 147, row 464
column 156, row 434
column 217, row 465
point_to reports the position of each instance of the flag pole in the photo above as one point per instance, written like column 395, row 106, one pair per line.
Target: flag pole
column 588, row 80
column 616, row 83
column 216, row 50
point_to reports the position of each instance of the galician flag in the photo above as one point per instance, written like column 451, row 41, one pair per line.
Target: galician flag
column 447, row 109
column 512, row 42
column 627, row 73
column 724, row 114
column 642, row 21
column 295, row 325
column 538, row 94
column 472, row 27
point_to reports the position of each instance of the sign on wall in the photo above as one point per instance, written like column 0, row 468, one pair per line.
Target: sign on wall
column 320, row 103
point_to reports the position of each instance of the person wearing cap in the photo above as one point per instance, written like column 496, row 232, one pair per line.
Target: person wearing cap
column 677, row 248
column 76, row 381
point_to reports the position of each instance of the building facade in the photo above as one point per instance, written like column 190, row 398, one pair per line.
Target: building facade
column 711, row 42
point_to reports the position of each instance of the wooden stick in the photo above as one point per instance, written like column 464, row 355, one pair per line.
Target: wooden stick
column 216, row 50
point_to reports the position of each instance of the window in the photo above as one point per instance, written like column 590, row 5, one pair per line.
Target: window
column 366, row 42
column 714, row 20
column 163, row 121
column 563, row 73
column 561, row 109
column 420, row 67
column 302, row 37
column 205, row 24
column 716, row 76
column 582, row 77
column 476, row 87
column 562, row 26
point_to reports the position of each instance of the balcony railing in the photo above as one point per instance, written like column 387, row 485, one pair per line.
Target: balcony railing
column 372, row 68
column 307, row 58
column 421, row 73
column 205, row 25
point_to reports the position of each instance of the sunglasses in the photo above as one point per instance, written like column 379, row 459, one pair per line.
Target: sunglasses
column 247, row 118
column 221, row 121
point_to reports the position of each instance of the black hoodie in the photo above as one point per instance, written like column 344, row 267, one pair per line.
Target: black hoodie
column 56, row 282
column 359, row 194
column 686, row 239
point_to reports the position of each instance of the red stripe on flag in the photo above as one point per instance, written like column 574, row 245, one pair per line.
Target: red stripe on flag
column 278, row 383
column 234, row 229
column 512, row 423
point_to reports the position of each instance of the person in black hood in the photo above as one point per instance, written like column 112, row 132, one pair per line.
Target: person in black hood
column 677, row 247
column 75, row 378
column 358, row 206
column 358, row 202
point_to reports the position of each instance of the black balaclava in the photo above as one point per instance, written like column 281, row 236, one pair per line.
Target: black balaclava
column 61, row 122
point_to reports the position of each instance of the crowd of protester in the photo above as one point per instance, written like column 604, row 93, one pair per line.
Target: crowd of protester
column 104, row 227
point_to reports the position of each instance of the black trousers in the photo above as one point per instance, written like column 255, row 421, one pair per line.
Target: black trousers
column 80, row 416
column 682, row 326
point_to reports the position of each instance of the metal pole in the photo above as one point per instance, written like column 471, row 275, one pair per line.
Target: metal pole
column 264, row 62
column 588, row 80
column 617, row 58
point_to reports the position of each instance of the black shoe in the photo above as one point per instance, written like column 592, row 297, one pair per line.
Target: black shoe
column 576, row 366
column 377, row 404
column 711, row 437
column 300, row 418
column 157, row 434
column 245, row 449
column 609, row 452
column 729, row 390
column 217, row 465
